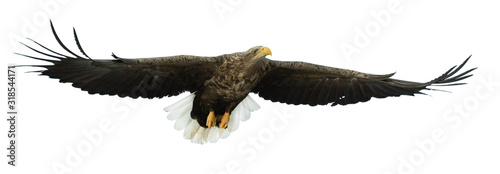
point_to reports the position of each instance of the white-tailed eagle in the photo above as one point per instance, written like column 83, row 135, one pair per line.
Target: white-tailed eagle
column 220, row 85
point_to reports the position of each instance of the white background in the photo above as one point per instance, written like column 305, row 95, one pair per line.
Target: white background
column 421, row 40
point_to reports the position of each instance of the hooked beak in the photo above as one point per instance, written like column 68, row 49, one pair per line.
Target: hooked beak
column 264, row 51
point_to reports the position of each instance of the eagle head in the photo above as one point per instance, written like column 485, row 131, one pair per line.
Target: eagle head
column 258, row 52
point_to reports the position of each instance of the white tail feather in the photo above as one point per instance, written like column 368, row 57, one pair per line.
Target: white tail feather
column 181, row 113
column 251, row 104
column 180, row 103
column 182, row 122
column 187, row 101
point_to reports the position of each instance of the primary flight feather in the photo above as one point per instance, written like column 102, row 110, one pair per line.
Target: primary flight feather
column 220, row 85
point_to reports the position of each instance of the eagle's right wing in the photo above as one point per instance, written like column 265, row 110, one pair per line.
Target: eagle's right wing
column 305, row 83
column 147, row 77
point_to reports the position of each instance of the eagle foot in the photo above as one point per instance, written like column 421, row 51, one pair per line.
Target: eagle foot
column 210, row 119
column 224, row 120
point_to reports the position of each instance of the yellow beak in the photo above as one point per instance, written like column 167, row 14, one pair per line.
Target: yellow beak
column 264, row 51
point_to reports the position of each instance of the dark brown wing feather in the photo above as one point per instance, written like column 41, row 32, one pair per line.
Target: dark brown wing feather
column 148, row 77
column 304, row 83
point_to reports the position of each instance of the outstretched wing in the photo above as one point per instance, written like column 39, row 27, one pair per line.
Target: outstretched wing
column 147, row 77
column 304, row 83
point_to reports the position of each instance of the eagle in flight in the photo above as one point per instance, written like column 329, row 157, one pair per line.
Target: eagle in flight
column 220, row 85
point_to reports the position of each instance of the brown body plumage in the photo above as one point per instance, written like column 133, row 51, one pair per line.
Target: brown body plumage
column 230, row 83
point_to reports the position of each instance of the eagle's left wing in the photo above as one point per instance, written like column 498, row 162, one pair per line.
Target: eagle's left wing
column 305, row 83
column 145, row 77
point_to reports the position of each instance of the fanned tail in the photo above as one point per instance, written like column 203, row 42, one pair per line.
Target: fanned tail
column 181, row 113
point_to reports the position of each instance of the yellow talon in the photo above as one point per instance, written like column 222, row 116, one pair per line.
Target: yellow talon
column 211, row 119
column 224, row 121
